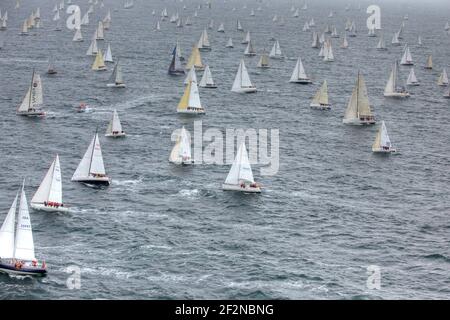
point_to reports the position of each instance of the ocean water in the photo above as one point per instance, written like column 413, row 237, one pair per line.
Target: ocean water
column 164, row 232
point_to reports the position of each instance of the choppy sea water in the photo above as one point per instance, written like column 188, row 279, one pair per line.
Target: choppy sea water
column 162, row 232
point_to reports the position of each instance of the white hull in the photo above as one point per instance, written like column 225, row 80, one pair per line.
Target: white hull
column 245, row 90
column 114, row 85
column 197, row 111
column 247, row 189
column 384, row 151
column 397, row 95
column 358, row 122
column 184, row 163
column 115, row 135
column 42, row 207
column 320, row 106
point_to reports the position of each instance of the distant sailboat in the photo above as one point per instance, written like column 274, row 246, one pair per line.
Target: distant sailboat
column 382, row 143
column 91, row 169
column 250, row 51
column 190, row 101
column 99, row 63
column 108, row 54
column 24, row 31
column 328, row 52
column 116, row 79
column 181, row 152
column 239, row 26
column 100, row 32
column 195, row 60
column 407, row 59
column 114, row 129
column 191, row 76
column 221, row 28
column 320, row 100
column 242, row 83
column 443, row 78
column 93, row 49
column 263, row 60
column 275, row 53
column 16, row 242
column 176, row 68
column 344, row 42
column 77, row 37
column 381, row 46
column 51, row 70
column 429, row 63
column 395, row 39
column 392, row 88
column 246, row 38
column 229, row 43
column 358, row 110
column 48, row 197
column 203, row 43
column 207, row 79
column 299, row 74
column 240, row 178
column 32, row 103
column 315, row 43
column 412, row 80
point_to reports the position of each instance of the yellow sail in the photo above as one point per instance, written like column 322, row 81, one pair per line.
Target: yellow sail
column 321, row 96
column 377, row 143
column 99, row 63
column 183, row 104
column 430, row 62
column 195, row 59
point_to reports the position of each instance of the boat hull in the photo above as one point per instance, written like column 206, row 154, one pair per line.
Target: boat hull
column 397, row 95
column 39, row 113
column 358, row 122
column 191, row 112
column 245, row 90
column 42, row 207
column 24, row 271
column 103, row 181
column 116, row 135
column 213, row 86
column 203, row 49
column 114, row 85
column 320, row 106
column 301, row 81
column 238, row 188
column 384, row 151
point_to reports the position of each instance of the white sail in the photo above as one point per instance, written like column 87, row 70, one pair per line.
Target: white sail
column 108, row 55
column 7, row 232
column 194, row 97
column 207, row 79
column 185, row 146
column 116, row 77
column 50, row 189
column 114, row 124
column 241, row 170
column 249, row 51
column 34, row 97
column 443, row 78
column 328, row 56
column 221, row 28
column 229, row 43
column 24, row 244
column 77, row 37
column 92, row 162
column 85, row 19
column 391, row 85
column 100, row 31
column 321, row 97
column 395, row 39
column 358, row 104
column 412, row 79
column 345, row 42
column 242, row 79
column 276, row 50
column 299, row 72
column 246, row 38
column 191, row 76
column 382, row 139
column 93, row 49
column 406, row 59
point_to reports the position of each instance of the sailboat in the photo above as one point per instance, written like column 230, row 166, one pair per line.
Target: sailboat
column 114, row 129
column 203, row 42
column 392, row 88
column 382, row 143
column 191, row 76
column 32, row 103
column 249, row 51
column 100, row 31
column 207, row 79
column 221, row 28
column 358, row 110
column 246, row 39
column 419, row 41
column 91, row 169
column 299, row 74
column 48, row 196
column 412, row 80
column 181, row 152
column 108, row 55
column 229, row 43
column 51, row 67
column 195, row 60
column 407, row 59
column 176, row 68
column 315, row 43
column 429, row 62
column 24, row 31
column 320, row 100
column 93, row 49
column 447, row 94
column 381, row 46
column 443, row 78
column 395, row 39
column 240, row 178
column 99, row 63
column 344, row 42
column 275, row 53
column 190, row 101
column 242, row 82
column 328, row 52
column 77, row 37
column 16, row 242
column 263, row 60
column 239, row 26
column 116, row 79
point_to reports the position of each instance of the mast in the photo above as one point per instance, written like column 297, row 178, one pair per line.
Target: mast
column 31, row 89
column 92, row 153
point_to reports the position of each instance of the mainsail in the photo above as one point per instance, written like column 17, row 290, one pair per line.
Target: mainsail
column 34, row 97
column 92, row 162
column 241, row 170
column 50, row 189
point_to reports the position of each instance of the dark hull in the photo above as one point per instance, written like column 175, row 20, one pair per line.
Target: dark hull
column 7, row 268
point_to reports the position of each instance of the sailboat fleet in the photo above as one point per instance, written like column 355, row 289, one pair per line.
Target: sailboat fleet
column 15, row 241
